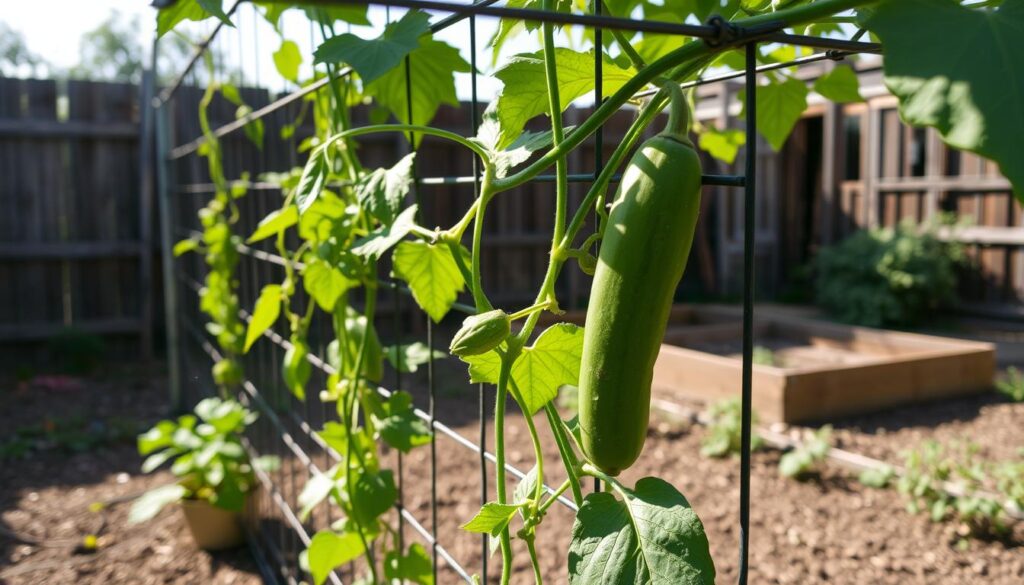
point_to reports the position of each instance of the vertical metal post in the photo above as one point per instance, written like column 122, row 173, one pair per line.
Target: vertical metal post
column 599, row 135
column 749, row 217
column 481, row 391
column 162, row 114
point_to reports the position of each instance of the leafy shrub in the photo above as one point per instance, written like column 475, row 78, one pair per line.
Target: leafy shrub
column 1013, row 385
column 888, row 276
column 724, row 429
column 804, row 458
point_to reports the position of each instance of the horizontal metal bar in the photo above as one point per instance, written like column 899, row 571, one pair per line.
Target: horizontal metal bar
column 719, row 180
column 828, row 43
column 828, row 55
column 546, row 16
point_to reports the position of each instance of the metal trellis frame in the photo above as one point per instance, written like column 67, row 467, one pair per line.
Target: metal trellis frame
column 288, row 428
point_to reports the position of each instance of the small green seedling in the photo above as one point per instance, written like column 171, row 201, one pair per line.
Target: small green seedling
column 1013, row 385
column 724, row 430
column 804, row 459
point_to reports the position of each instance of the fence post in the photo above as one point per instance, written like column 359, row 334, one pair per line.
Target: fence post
column 162, row 144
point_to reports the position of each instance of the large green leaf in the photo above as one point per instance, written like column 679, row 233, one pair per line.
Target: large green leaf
column 398, row 424
column 960, row 71
column 150, row 503
column 839, row 85
column 779, row 106
column 432, row 275
column 329, row 550
column 383, row 238
column 275, row 222
column 266, row 311
column 431, row 77
column 287, row 60
column 552, row 361
column 373, row 494
column 374, row 57
column 383, row 191
column 492, row 518
column 652, row 538
column 722, row 144
column 525, row 94
column 182, row 10
column 414, row 566
column 408, row 357
column 324, row 283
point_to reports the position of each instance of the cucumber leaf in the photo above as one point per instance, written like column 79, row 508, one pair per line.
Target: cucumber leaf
column 652, row 537
column 959, row 70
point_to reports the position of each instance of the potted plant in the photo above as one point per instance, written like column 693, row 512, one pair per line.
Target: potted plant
column 215, row 474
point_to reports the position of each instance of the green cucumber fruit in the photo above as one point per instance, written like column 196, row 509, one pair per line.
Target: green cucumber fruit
column 641, row 261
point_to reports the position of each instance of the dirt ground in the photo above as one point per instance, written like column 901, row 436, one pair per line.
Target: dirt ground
column 89, row 456
column 830, row 529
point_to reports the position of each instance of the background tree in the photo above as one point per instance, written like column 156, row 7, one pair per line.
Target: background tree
column 15, row 57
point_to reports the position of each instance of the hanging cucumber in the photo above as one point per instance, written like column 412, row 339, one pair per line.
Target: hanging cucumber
column 641, row 260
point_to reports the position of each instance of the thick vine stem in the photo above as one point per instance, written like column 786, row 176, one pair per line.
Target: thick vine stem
column 436, row 132
column 486, row 193
column 504, row 376
column 557, row 130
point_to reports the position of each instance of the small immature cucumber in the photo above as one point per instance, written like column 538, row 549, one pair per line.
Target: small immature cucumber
column 481, row 333
column 641, row 260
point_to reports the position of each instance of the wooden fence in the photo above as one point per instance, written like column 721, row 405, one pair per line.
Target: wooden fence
column 75, row 243
column 76, row 235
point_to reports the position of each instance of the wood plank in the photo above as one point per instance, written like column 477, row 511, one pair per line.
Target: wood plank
column 27, row 251
column 40, row 129
column 43, row 330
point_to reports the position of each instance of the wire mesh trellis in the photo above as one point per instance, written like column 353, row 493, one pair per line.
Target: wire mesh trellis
column 286, row 427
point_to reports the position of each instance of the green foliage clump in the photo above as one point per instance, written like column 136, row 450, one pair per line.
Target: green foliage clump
column 724, row 429
column 929, row 467
column 1013, row 385
column 804, row 458
column 209, row 460
column 888, row 276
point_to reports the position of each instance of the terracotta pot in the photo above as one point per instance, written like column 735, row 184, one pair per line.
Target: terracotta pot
column 212, row 528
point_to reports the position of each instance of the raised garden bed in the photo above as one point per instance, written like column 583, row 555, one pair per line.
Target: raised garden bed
column 818, row 370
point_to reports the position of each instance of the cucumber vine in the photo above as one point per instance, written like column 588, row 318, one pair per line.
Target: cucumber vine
column 349, row 219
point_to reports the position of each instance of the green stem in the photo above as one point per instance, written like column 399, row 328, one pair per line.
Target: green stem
column 499, row 461
column 486, row 193
column 538, row 453
column 557, row 131
column 532, row 548
column 554, row 497
column 436, row 132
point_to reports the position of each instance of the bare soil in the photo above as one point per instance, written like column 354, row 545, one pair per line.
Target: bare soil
column 45, row 495
column 829, row 529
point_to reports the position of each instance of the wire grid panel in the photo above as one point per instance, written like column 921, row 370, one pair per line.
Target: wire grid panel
column 287, row 427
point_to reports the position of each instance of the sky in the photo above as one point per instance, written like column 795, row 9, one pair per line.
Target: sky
column 53, row 28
